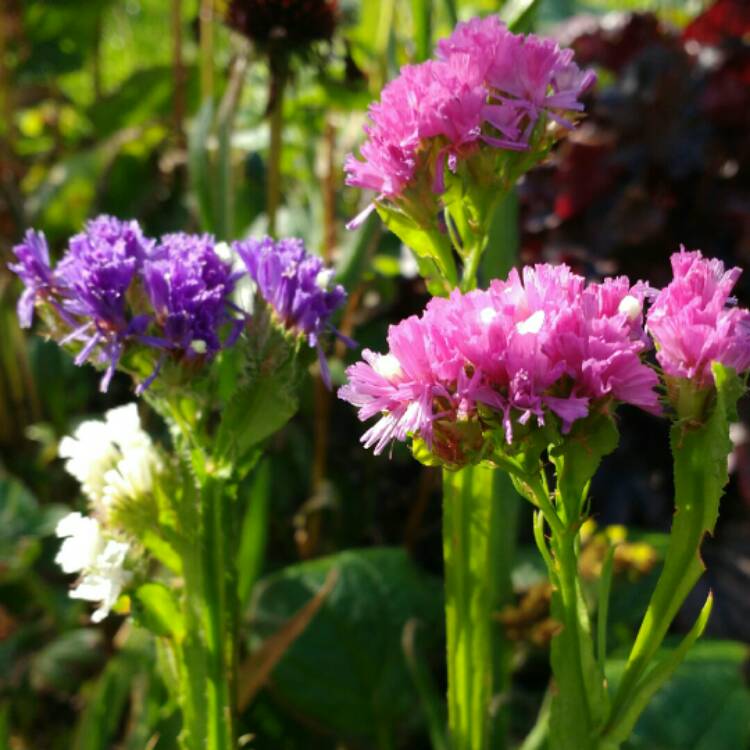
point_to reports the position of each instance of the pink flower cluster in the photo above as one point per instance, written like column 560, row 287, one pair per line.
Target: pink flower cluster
column 533, row 344
column 695, row 322
column 489, row 86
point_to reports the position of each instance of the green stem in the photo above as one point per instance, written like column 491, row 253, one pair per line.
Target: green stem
column 696, row 500
column 471, row 266
column 570, row 680
column 475, row 549
column 276, row 122
column 207, row 653
column 219, row 592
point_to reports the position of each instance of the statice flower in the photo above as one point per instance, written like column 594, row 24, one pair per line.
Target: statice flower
column 535, row 344
column 529, row 72
column 96, row 274
column 99, row 559
column 488, row 90
column 694, row 320
column 189, row 288
column 296, row 285
column 34, row 269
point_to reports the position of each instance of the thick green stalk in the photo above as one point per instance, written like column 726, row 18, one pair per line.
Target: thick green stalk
column 207, row 652
column 472, row 520
column 191, row 651
column 567, row 657
column 219, row 593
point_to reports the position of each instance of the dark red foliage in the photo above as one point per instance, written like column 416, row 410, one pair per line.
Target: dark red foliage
column 724, row 20
column 663, row 156
column 283, row 26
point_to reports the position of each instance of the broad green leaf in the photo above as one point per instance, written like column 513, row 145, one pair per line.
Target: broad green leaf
column 351, row 651
column 22, row 523
column 355, row 253
column 705, row 706
column 200, row 166
column 432, row 702
column 501, row 253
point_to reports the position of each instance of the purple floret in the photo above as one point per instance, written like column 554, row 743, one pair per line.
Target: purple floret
column 295, row 284
column 97, row 272
column 34, row 270
column 189, row 286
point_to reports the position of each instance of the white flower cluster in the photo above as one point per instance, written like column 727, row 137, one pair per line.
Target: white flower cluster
column 114, row 460
column 99, row 560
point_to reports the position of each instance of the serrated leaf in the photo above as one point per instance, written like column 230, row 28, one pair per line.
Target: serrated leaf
column 700, row 473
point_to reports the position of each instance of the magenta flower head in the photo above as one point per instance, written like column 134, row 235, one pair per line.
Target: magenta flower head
column 481, row 101
column 33, row 268
column 694, row 321
column 95, row 275
column 538, row 345
column 296, row 285
column 529, row 72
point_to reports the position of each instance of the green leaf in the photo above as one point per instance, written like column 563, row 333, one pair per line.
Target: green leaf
column 432, row 702
column 351, row 650
column 126, row 681
column 158, row 611
column 700, row 473
column 254, row 534
column 519, row 15
column 67, row 660
column 501, row 253
column 427, row 243
column 200, row 167
column 256, row 411
column 422, row 19
column 655, row 678
column 356, row 252
column 703, row 707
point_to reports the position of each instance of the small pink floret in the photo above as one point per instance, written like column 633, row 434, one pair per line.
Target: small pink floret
column 695, row 322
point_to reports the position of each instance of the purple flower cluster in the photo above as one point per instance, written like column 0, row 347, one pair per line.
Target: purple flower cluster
column 539, row 343
column 93, row 279
column 296, row 285
column 115, row 288
column 188, row 286
column 489, row 87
